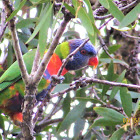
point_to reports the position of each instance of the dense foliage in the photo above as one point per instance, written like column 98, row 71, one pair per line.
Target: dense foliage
column 92, row 110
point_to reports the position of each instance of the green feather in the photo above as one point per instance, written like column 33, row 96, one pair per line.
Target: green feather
column 12, row 74
column 13, row 71
column 63, row 50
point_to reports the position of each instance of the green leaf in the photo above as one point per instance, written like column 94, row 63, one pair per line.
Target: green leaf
column 105, row 3
column 105, row 122
column 90, row 11
column 35, row 1
column 70, row 8
column 130, row 17
column 85, row 19
column 41, row 23
column 71, row 33
column 78, row 127
column 111, row 50
column 116, row 89
column 1, row 122
column 16, row 4
column 117, row 134
column 110, row 114
column 66, row 105
column 72, row 116
column 10, row 55
column 29, row 22
column 126, row 101
column 109, row 77
column 60, row 87
column 23, row 47
column 86, row 22
column 13, row 71
column 108, row 60
column 93, row 38
column 114, row 10
column 15, row 12
column 44, row 30
column 86, row 99
column 25, row 37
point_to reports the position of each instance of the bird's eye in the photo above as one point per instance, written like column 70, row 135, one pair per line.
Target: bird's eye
column 83, row 52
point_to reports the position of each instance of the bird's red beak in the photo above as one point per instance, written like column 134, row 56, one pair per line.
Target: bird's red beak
column 93, row 61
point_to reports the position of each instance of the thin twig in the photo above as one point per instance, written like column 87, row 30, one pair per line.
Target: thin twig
column 38, row 128
column 105, row 23
column 92, row 80
column 105, row 48
column 129, row 36
column 53, row 109
column 36, row 61
column 132, row 4
column 106, row 104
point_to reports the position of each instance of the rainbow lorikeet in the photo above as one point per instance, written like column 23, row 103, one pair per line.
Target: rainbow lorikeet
column 12, row 86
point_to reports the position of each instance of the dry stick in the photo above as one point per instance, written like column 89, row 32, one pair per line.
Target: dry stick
column 9, row 9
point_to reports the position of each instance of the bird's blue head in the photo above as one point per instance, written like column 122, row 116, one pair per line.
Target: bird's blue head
column 85, row 56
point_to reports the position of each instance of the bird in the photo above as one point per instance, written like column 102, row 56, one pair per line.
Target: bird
column 11, row 83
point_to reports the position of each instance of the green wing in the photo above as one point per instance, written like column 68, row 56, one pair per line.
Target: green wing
column 12, row 74
column 63, row 50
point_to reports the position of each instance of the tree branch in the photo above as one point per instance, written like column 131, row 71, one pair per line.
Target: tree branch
column 105, row 48
column 36, row 61
column 3, row 24
column 9, row 9
column 92, row 80
column 38, row 128
column 85, row 81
